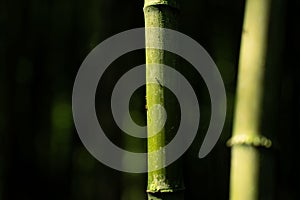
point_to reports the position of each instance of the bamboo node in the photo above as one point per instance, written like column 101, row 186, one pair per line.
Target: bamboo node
column 161, row 184
column 256, row 141
column 171, row 3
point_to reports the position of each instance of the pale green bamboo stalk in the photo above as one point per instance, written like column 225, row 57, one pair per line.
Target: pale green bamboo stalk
column 247, row 135
column 166, row 183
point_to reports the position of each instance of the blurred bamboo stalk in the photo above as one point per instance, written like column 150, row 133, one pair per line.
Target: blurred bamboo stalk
column 249, row 105
column 166, row 183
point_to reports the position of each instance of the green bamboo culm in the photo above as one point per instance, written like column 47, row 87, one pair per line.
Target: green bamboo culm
column 247, row 135
column 166, row 183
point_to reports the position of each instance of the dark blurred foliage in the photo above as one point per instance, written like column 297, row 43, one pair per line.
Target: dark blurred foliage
column 42, row 45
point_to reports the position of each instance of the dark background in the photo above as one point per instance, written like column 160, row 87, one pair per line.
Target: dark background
column 42, row 45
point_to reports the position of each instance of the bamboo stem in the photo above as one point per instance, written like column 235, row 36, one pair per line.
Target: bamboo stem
column 166, row 183
column 247, row 123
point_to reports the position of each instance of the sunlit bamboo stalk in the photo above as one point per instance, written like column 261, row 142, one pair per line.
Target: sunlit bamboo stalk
column 166, row 183
column 247, row 135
